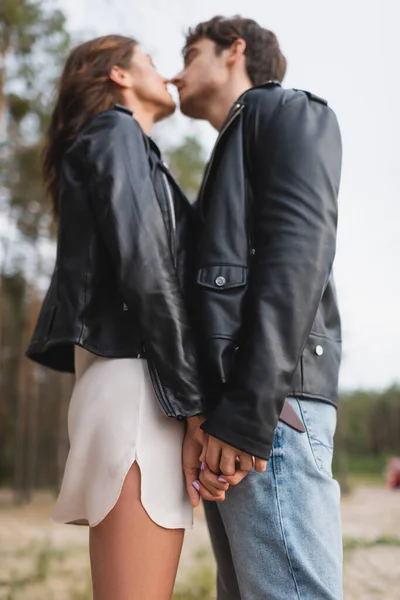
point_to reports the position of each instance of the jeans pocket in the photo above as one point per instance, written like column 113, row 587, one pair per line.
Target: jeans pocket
column 320, row 420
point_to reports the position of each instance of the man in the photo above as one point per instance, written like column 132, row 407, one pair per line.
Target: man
column 268, row 214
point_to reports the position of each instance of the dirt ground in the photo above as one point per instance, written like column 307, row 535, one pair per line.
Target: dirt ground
column 43, row 561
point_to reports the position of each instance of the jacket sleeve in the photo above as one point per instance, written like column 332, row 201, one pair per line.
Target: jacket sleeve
column 295, row 186
column 130, row 220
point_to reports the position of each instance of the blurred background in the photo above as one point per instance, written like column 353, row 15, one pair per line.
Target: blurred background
column 345, row 51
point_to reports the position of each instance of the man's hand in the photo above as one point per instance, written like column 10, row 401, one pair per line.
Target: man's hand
column 223, row 459
column 195, row 440
column 215, row 483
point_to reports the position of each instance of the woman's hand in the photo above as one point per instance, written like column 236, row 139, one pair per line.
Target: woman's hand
column 194, row 442
column 216, row 483
column 229, row 466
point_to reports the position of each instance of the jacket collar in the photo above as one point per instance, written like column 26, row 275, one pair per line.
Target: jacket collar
column 267, row 84
column 241, row 101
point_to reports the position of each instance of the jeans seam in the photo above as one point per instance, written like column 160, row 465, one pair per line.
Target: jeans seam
column 284, row 537
column 309, row 432
column 303, row 414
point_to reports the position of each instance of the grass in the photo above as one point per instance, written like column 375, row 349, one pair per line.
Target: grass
column 45, row 563
column 16, row 585
column 200, row 583
column 44, row 559
column 48, row 562
column 362, row 470
column 200, row 586
column 83, row 591
column 357, row 544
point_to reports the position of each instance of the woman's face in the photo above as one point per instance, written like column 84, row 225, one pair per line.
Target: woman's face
column 149, row 87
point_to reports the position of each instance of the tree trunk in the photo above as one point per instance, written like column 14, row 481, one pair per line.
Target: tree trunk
column 19, row 456
column 33, row 406
column 3, row 58
column 2, row 380
column 4, row 50
column 21, row 494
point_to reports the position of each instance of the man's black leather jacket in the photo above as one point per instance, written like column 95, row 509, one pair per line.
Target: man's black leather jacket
column 268, row 212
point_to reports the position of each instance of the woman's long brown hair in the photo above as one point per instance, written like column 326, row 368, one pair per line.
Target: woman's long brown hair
column 85, row 90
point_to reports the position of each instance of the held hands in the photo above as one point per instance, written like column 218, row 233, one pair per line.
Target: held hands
column 211, row 466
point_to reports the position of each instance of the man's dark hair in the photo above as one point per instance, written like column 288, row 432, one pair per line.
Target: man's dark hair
column 264, row 59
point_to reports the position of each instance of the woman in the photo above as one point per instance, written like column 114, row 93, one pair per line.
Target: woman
column 116, row 314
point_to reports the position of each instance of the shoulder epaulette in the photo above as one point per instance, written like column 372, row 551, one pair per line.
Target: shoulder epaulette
column 313, row 97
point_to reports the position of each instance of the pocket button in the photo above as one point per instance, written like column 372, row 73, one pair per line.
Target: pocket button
column 319, row 350
column 220, row 281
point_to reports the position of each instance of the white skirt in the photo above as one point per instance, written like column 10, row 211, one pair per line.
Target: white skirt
column 114, row 420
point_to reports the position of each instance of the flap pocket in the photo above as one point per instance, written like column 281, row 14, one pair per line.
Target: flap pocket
column 321, row 362
column 222, row 277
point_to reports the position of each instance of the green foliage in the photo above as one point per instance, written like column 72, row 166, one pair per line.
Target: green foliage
column 29, row 203
column 370, row 423
column 200, row 582
column 18, row 107
column 45, row 556
column 200, row 586
column 372, row 466
column 33, row 43
column 186, row 162
column 26, row 24
column 82, row 592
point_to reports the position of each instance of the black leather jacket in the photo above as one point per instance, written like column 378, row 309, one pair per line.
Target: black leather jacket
column 268, row 211
column 121, row 284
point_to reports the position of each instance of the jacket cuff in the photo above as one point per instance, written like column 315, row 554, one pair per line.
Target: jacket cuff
column 232, row 433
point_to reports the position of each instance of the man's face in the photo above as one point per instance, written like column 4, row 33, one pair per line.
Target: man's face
column 205, row 72
column 149, row 86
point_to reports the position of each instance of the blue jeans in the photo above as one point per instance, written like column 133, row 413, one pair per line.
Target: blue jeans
column 277, row 536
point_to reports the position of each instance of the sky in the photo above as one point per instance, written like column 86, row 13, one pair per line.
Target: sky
column 348, row 52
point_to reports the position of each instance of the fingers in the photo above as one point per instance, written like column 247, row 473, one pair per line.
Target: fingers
column 246, row 462
column 191, row 487
column 207, row 495
column 213, row 454
column 260, row 465
column 220, row 467
column 214, row 483
column 203, row 454
column 236, row 478
column 228, row 464
column 225, row 459
column 191, row 467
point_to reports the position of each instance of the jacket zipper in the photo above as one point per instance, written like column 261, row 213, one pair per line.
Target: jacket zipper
column 171, row 207
column 160, row 393
column 155, row 377
column 238, row 109
column 249, row 219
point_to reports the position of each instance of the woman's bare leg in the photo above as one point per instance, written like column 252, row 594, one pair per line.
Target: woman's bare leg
column 131, row 557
